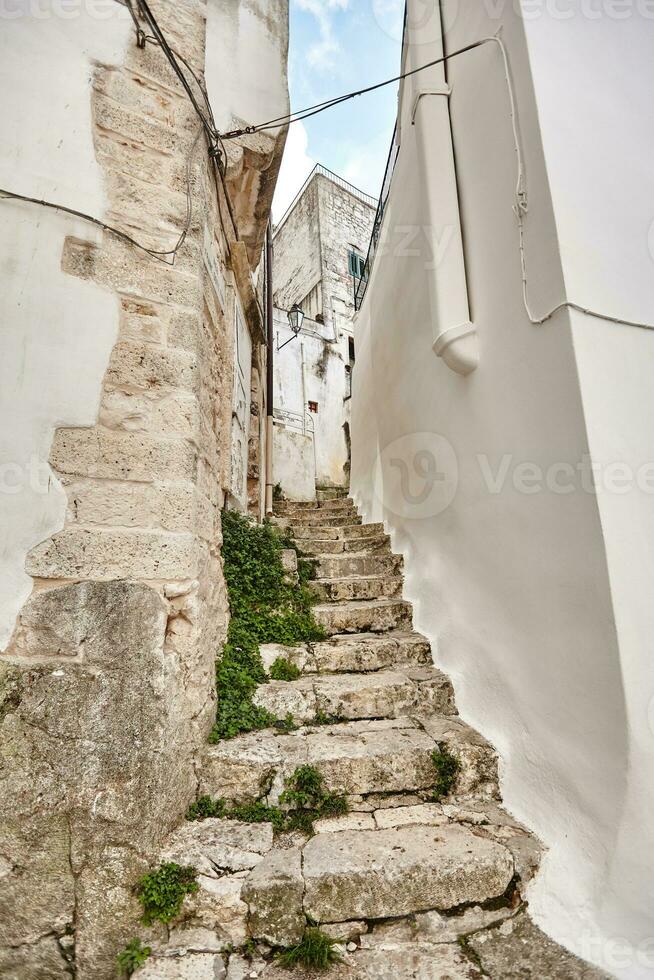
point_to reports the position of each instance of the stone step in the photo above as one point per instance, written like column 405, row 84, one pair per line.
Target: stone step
column 369, row 544
column 325, row 532
column 340, row 506
column 355, row 588
column 364, row 652
column 383, row 694
column 322, row 519
column 357, row 653
column 370, row 616
column 422, row 960
column 355, row 758
column 376, row 874
column 341, row 566
column 323, row 494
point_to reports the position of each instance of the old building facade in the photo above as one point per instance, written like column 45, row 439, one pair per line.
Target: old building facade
column 132, row 407
column 320, row 247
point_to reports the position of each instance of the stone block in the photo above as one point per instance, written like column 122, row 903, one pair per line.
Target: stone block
column 122, row 455
column 144, row 366
column 108, row 554
column 379, row 874
column 273, row 892
column 192, row 966
column 214, row 846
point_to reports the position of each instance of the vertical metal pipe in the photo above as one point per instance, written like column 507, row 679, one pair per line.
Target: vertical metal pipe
column 269, row 371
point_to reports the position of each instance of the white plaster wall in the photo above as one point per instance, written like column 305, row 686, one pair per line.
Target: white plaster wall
column 538, row 604
column 247, row 79
column 312, row 368
column 294, row 463
column 56, row 331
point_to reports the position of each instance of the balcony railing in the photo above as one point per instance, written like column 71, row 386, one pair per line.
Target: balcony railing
column 362, row 284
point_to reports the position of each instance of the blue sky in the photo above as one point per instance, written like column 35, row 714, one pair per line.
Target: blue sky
column 337, row 46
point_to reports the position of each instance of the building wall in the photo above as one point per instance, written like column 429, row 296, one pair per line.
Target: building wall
column 312, row 368
column 116, row 461
column 532, row 595
column 298, row 261
column 345, row 222
column 311, row 268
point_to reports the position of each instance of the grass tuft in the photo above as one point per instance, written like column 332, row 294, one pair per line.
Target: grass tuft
column 284, row 670
column 447, row 771
column 315, row 952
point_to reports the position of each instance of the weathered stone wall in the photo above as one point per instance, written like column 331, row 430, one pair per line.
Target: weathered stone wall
column 107, row 687
column 345, row 223
column 298, row 261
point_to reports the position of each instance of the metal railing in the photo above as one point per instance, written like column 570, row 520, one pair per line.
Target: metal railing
column 297, row 421
column 335, row 179
column 360, row 288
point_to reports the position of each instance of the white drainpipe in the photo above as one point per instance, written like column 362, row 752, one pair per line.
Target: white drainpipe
column 455, row 336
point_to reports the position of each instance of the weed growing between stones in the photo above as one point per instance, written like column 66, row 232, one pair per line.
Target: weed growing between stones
column 321, row 718
column 132, row 957
column 447, row 770
column 162, row 892
column 265, row 608
column 315, row 952
column 303, row 801
column 284, row 670
column 305, row 792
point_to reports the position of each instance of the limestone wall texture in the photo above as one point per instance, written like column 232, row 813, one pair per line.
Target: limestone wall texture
column 107, row 687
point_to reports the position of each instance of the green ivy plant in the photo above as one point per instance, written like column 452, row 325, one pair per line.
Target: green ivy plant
column 315, row 952
column 264, row 608
column 162, row 892
column 132, row 957
column 447, row 771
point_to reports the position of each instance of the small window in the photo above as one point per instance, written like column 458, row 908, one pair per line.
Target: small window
column 356, row 265
column 313, row 407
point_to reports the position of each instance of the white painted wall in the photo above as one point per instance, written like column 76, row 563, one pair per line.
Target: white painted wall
column 247, row 79
column 56, row 331
column 312, row 368
column 538, row 602
column 294, row 463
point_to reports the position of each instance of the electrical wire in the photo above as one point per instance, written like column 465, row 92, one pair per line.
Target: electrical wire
column 330, row 103
column 219, row 156
column 167, row 257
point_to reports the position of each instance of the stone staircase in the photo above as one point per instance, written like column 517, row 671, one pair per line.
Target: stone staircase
column 411, row 886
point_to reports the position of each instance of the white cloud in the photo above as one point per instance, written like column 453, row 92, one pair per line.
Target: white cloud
column 364, row 165
column 322, row 54
column 296, row 167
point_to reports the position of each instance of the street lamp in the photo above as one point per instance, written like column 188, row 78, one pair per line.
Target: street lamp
column 295, row 321
column 295, row 318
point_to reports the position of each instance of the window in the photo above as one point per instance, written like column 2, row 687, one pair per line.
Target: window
column 313, row 407
column 356, row 265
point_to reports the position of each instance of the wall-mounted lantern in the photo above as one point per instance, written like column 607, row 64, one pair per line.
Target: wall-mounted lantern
column 295, row 321
column 295, row 318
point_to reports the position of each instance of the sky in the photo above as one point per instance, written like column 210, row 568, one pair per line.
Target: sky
column 337, row 46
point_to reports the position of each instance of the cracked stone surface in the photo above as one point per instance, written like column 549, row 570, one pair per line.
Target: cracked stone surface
column 274, row 892
column 379, row 874
column 519, row 950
